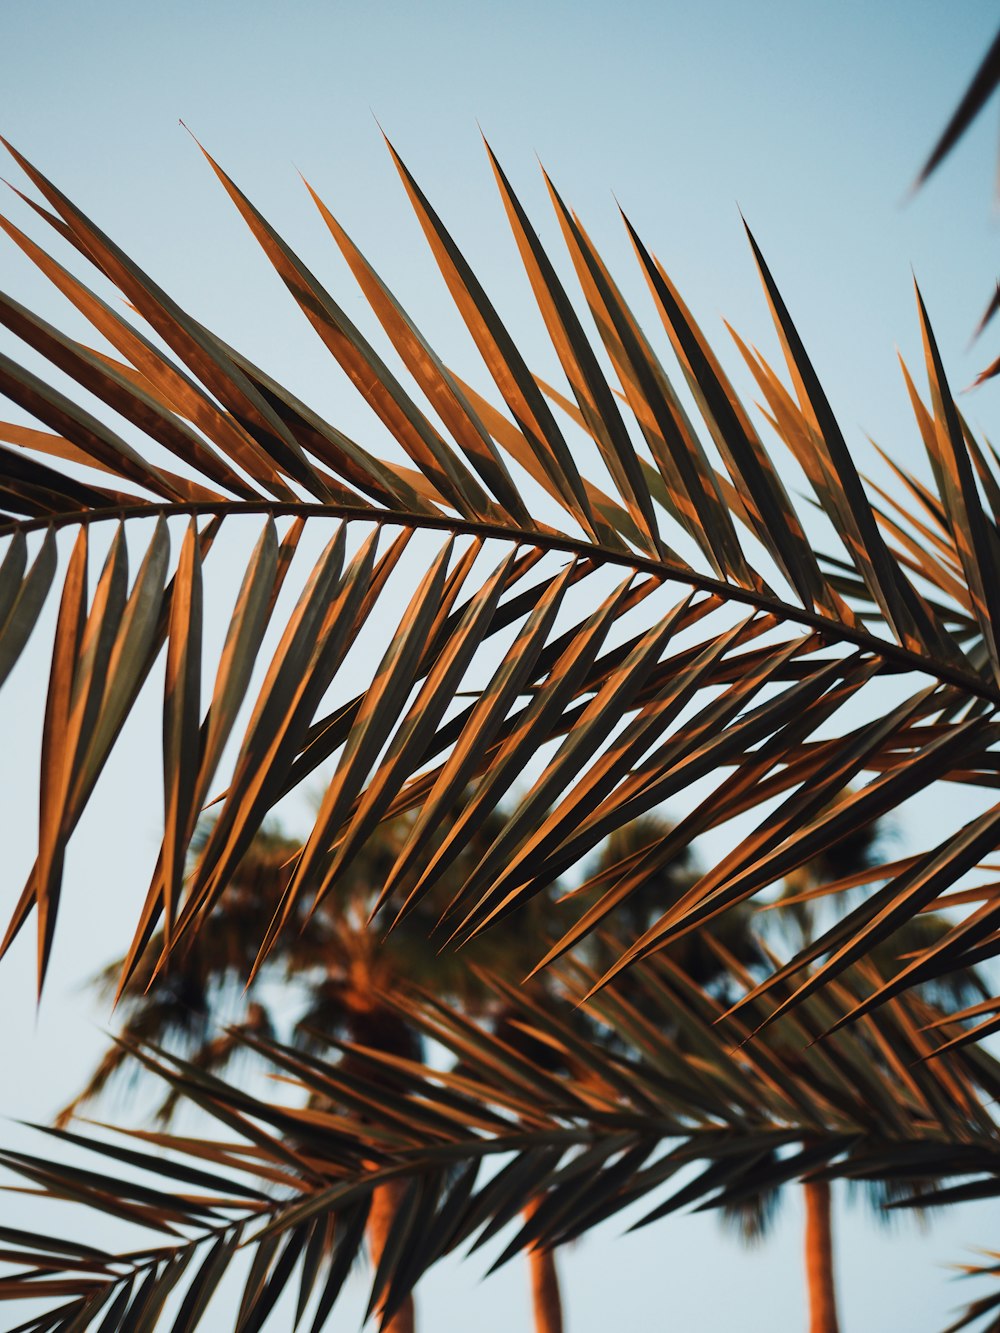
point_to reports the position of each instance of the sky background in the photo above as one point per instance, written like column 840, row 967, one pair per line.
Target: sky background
column 812, row 118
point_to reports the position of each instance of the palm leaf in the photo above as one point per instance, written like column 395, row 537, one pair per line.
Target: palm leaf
column 541, row 639
column 612, row 1125
column 977, row 94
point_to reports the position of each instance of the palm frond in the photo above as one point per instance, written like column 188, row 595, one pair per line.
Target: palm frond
column 984, row 83
column 593, row 644
column 982, row 87
column 602, row 1126
column 984, row 1305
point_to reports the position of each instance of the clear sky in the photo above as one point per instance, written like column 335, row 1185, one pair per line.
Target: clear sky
column 811, row 117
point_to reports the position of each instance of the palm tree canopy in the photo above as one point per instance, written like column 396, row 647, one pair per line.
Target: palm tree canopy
column 326, row 977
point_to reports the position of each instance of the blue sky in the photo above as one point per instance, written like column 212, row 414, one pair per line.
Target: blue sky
column 812, row 118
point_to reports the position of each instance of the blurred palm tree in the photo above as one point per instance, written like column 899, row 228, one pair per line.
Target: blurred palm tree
column 727, row 957
column 326, row 981
column 329, row 974
column 795, row 922
column 328, row 977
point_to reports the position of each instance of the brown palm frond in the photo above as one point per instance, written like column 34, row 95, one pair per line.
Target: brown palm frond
column 984, row 1305
column 613, row 602
column 601, row 1127
column 984, row 84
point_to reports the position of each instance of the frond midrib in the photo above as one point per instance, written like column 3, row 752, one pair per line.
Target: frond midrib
column 547, row 539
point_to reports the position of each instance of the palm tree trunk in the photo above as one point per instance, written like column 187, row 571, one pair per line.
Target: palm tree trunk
column 386, row 1200
column 546, row 1301
column 819, row 1258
